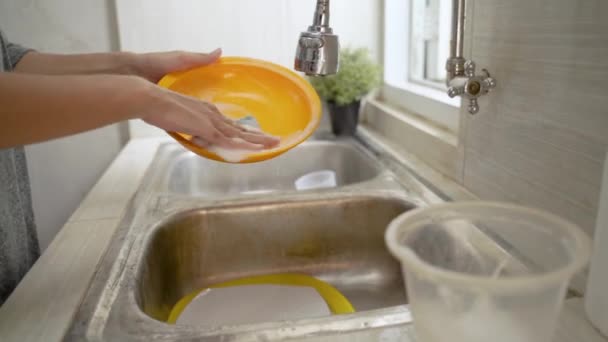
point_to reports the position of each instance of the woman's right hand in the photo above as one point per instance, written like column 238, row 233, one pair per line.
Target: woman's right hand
column 180, row 113
column 172, row 111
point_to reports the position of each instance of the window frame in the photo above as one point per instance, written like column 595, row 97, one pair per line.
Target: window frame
column 426, row 101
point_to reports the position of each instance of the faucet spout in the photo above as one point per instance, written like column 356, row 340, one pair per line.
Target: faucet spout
column 317, row 53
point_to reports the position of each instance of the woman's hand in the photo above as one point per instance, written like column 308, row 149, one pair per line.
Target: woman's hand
column 175, row 112
column 153, row 66
column 188, row 115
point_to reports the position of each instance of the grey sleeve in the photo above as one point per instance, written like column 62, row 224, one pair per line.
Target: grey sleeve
column 15, row 53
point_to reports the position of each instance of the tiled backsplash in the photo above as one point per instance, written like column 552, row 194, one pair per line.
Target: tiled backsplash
column 541, row 137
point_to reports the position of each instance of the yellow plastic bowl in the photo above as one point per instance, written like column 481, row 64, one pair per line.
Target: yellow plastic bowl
column 283, row 102
column 337, row 303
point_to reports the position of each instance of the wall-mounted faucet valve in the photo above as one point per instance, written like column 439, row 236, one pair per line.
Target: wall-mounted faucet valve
column 471, row 86
column 461, row 77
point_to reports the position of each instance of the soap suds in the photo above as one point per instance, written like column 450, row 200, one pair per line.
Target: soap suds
column 249, row 123
column 230, row 155
column 237, row 155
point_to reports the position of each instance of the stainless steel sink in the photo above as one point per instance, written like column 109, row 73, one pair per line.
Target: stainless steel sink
column 340, row 241
column 187, row 228
column 187, row 173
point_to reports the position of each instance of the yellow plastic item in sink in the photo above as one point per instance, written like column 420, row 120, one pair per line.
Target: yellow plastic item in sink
column 282, row 102
column 336, row 302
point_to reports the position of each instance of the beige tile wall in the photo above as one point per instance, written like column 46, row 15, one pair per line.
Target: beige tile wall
column 540, row 139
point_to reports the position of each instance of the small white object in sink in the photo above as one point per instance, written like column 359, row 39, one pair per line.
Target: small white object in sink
column 250, row 304
column 317, row 180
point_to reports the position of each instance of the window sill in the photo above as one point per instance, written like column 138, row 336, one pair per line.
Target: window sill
column 429, row 91
column 433, row 144
column 431, row 104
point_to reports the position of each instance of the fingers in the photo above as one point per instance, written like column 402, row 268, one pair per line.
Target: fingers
column 153, row 66
column 256, row 138
column 211, row 126
column 188, row 60
column 232, row 129
column 199, row 59
column 227, row 142
column 221, row 138
column 265, row 140
column 238, row 143
column 215, row 54
column 200, row 142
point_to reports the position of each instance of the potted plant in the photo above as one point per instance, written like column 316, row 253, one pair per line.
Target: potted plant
column 357, row 76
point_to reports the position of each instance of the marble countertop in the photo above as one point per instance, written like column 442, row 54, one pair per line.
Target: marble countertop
column 44, row 304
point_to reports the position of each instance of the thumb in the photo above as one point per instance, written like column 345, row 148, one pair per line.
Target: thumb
column 200, row 59
column 153, row 66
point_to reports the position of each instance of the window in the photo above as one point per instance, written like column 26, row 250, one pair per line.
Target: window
column 416, row 47
column 429, row 41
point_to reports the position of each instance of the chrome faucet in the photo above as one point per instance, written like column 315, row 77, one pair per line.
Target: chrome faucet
column 462, row 79
column 318, row 48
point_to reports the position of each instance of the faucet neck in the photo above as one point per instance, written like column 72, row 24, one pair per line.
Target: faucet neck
column 458, row 18
column 321, row 19
column 455, row 64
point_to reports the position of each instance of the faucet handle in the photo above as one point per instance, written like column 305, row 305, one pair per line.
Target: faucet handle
column 473, row 106
column 456, row 91
column 469, row 68
column 489, row 82
column 471, row 86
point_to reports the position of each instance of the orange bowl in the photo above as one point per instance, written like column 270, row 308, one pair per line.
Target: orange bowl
column 283, row 103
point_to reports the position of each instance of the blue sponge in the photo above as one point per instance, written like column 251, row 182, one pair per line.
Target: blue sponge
column 249, row 121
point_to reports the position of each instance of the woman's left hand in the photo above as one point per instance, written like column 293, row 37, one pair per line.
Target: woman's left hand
column 153, row 66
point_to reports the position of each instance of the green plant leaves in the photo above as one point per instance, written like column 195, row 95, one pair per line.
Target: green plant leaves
column 357, row 76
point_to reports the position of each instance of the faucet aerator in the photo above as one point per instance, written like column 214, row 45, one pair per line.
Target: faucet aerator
column 318, row 50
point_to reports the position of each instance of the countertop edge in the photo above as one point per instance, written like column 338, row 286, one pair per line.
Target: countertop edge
column 43, row 305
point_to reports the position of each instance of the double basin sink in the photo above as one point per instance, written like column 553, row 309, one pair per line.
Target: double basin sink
column 195, row 223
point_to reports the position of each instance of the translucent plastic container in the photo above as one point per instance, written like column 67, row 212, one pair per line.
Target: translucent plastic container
column 317, row 180
column 480, row 271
